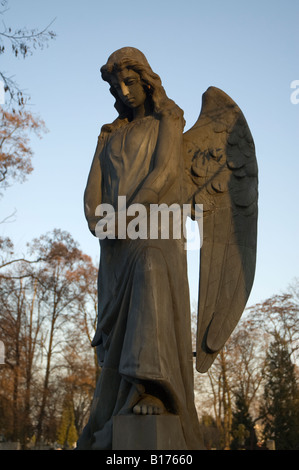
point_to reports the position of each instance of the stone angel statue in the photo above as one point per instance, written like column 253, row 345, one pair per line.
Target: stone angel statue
column 143, row 335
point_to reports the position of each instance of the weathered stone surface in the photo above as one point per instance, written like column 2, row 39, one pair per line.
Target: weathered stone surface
column 143, row 336
column 133, row 432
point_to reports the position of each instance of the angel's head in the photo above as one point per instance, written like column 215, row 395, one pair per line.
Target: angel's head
column 131, row 64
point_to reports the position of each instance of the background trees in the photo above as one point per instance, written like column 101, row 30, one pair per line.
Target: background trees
column 15, row 151
column 280, row 406
column 251, row 391
column 43, row 324
column 48, row 296
column 17, row 122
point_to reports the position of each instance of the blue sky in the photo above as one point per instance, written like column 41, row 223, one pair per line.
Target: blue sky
column 248, row 49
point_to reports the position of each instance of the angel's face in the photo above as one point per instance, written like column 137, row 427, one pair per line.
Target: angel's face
column 129, row 88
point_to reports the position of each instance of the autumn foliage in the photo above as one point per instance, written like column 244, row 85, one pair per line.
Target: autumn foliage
column 15, row 151
column 47, row 319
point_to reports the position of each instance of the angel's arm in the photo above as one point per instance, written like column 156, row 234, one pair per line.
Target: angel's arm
column 93, row 190
column 166, row 163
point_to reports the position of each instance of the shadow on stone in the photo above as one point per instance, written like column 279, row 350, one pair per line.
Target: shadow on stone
column 161, row 432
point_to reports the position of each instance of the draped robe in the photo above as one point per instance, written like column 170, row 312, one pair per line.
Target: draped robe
column 143, row 335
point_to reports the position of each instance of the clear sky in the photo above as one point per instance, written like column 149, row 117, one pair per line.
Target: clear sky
column 248, row 49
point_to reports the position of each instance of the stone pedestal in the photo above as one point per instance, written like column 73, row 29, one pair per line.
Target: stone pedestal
column 160, row 432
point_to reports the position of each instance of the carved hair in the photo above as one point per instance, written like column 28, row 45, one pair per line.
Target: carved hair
column 131, row 58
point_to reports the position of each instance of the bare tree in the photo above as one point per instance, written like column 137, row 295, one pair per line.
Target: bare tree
column 44, row 330
column 21, row 42
column 239, row 366
column 278, row 317
column 59, row 278
column 248, row 348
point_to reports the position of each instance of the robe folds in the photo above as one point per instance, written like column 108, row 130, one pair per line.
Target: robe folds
column 143, row 335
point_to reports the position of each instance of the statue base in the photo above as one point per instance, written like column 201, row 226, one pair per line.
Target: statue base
column 150, row 432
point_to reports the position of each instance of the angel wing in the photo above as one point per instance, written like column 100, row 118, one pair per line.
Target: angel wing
column 221, row 173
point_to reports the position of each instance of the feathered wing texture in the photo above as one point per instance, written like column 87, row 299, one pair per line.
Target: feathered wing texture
column 221, row 173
